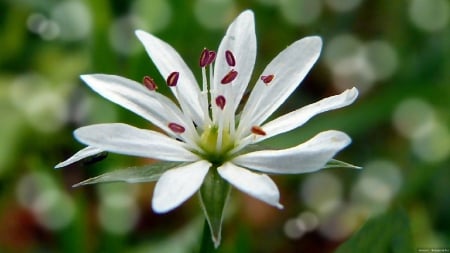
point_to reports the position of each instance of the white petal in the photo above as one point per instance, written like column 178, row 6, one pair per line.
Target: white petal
column 167, row 60
column 128, row 140
column 240, row 39
column 298, row 117
column 259, row 186
column 177, row 185
column 80, row 155
column 306, row 157
column 289, row 68
column 133, row 96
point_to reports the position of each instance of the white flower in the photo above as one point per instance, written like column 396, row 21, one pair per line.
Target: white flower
column 204, row 131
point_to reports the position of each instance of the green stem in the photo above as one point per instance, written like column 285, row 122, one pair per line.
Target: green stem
column 207, row 245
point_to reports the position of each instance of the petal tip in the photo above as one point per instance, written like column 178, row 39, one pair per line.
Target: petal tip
column 249, row 13
column 140, row 33
column 279, row 206
column 354, row 92
column 314, row 40
column 160, row 208
column 58, row 166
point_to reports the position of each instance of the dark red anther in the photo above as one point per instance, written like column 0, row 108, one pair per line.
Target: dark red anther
column 220, row 101
column 228, row 78
column 230, row 58
column 176, row 128
column 258, row 130
column 149, row 83
column 211, row 57
column 172, row 79
column 267, row 79
column 204, row 58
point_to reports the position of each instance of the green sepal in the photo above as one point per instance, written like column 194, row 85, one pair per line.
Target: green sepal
column 333, row 163
column 137, row 174
column 214, row 194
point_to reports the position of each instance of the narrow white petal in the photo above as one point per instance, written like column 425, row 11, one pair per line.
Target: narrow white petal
column 289, row 68
column 259, row 186
column 177, row 185
column 298, row 117
column 80, row 155
column 167, row 60
column 306, row 157
column 240, row 39
column 125, row 139
column 133, row 96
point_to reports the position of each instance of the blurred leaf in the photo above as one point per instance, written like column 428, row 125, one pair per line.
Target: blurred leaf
column 387, row 233
column 139, row 174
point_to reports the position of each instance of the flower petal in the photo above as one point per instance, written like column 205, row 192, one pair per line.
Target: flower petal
column 298, row 117
column 80, row 155
column 167, row 60
column 306, row 157
column 240, row 40
column 289, row 68
column 177, row 185
column 125, row 139
column 133, row 96
column 259, row 186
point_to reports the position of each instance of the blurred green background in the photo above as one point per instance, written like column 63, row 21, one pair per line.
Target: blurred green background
column 396, row 52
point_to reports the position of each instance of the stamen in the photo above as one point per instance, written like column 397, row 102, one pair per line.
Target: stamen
column 172, row 79
column 204, row 57
column 230, row 58
column 149, row 83
column 228, row 78
column 211, row 57
column 267, row 79
column 258, row 130
column 220, row 101
column 176, row 128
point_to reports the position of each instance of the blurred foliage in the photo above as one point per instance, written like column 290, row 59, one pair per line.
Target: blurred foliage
column 396, row 52
column 374, row 237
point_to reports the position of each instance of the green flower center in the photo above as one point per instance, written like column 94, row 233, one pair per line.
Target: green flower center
column 213, row 151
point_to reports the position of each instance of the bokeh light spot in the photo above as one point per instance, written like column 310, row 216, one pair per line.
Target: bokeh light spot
column 121, row 34
column 377, row 184
column 214, row 14
column 310, row 220
column 294, row 228
column 52, row 208
column 342, row 222
column 46, row 28
column 300, row 12
column 154, row 15
column 429, row 15
column 118, row 212
column 343, row 5
column 412, row 117
column 73, row 19
column 382, row 58
column 354, row 63
column 432, row 145
column 43, row 107
column 322, row 192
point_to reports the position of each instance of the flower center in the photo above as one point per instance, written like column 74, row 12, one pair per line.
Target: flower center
column 209, row 143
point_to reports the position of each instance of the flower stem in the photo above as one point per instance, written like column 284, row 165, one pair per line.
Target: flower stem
column 207, row 245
